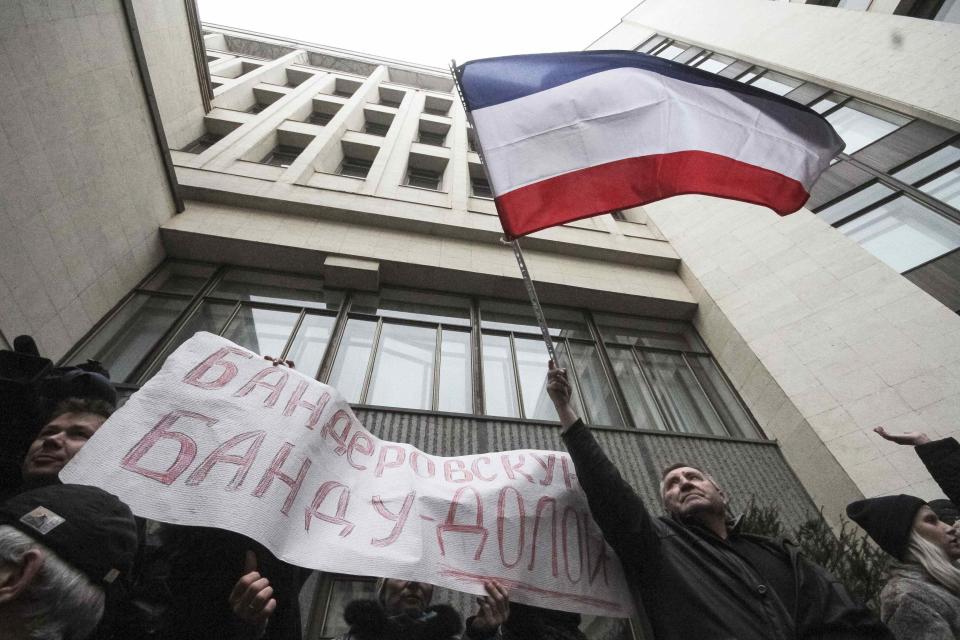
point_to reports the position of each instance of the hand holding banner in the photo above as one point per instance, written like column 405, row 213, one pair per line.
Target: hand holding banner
column 219, row 438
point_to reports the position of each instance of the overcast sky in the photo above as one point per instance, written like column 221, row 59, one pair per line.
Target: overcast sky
column 427, row 31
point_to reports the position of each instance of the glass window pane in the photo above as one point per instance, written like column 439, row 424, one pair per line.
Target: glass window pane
column 209, row 316
column 180, row 277
column 734, row 416
column 859, row 124
column 647, row 332
column 684, row 404
column 280, row 288
column 749, row 75
column 311, row 343
column 532, row 368
column 934, row 162
column 671, row 51
column 636, row 391
column 130, row 334
column 827, row 102
column 414, row 305
column 516, row 316
column 946, row 188
column 499, row 384
column 263, row 331
column 715, row 63
column 403, row 367
column 776, row 83
column 350, row 367
column 650, row 44
column 456, row 386
column 596, row 392
column 344, row 591
column 903, row 233
column 855, row 202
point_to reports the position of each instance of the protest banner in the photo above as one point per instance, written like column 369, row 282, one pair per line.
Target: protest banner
column 221, row 438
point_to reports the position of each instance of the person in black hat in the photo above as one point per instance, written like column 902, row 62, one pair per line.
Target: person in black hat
column 921, row 599
column 62, row 549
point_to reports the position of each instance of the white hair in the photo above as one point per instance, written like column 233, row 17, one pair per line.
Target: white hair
column 934, row 561
column 61, row 603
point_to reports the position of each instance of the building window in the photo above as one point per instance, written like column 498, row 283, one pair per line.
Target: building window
column 282, row 156
column 712, row 62
column 480, row 188
column 771, row 81
column 432, row 138
column 375, row 128
column 894, row 224
column 320, row 118
column 354, row 167
column 423, row 178
column 903, row 233
column 860, row 123
column 257, row 107
column 202, row 143
column 667, row 49
column 424, row 350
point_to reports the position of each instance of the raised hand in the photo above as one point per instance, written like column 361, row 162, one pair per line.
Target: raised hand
column 911, row 438
column 252, row 597
column 560, row 391
column 494, row 610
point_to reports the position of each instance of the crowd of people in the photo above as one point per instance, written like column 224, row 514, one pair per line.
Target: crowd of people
column 75, row 562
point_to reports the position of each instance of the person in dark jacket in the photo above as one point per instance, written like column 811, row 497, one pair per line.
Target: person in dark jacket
column 694, row 574
column 921, row 598
column 402, row 611
column 535, row 623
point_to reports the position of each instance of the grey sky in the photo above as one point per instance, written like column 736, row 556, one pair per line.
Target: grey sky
column 427, row 31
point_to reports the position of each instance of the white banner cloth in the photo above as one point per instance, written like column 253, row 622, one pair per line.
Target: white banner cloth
column 221, row 438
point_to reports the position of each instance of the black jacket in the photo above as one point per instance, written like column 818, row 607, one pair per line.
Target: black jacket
column 692, row 586
column 202, row 566
column 942, row 459
column 369, row 621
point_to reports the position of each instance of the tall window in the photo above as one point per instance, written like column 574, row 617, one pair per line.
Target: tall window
column 429, row 351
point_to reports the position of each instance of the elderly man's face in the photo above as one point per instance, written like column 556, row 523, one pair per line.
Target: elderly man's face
column 58, row 442
column 407, row 596
column 689, row 494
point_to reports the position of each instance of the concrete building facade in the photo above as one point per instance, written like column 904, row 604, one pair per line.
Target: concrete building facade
column 329, row 207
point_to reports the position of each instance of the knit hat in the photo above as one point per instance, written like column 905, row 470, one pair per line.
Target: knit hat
column 88, row 528
column 888, row 520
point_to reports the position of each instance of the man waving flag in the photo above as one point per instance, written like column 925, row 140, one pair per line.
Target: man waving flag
column 566, row 136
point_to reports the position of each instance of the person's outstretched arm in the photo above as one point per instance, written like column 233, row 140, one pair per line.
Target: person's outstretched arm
column 941, row 457
column 624, row 520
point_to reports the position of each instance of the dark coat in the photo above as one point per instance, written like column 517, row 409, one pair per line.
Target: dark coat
column 692, row 586
column 369, row 621
column 529, row 623
column 202, row 567
column 942, row 459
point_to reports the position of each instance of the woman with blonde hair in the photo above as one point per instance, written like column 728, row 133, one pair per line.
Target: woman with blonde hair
column 921, row 599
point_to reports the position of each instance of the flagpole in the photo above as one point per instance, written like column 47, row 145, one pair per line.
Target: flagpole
column 515, row 244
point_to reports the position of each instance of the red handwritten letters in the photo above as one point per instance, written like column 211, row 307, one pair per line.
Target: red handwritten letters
column 282, row 445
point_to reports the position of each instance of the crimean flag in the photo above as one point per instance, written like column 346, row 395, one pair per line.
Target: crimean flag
column 565, row 136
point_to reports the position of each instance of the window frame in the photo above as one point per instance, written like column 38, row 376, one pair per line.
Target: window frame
column 343, row 310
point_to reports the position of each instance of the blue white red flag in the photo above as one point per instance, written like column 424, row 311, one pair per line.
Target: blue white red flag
column 566, row 136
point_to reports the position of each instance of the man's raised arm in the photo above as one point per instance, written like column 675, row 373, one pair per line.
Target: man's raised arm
column 618, row 510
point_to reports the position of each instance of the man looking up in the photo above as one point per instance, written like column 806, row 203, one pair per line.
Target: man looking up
column 695, row 575
column 72, row 422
